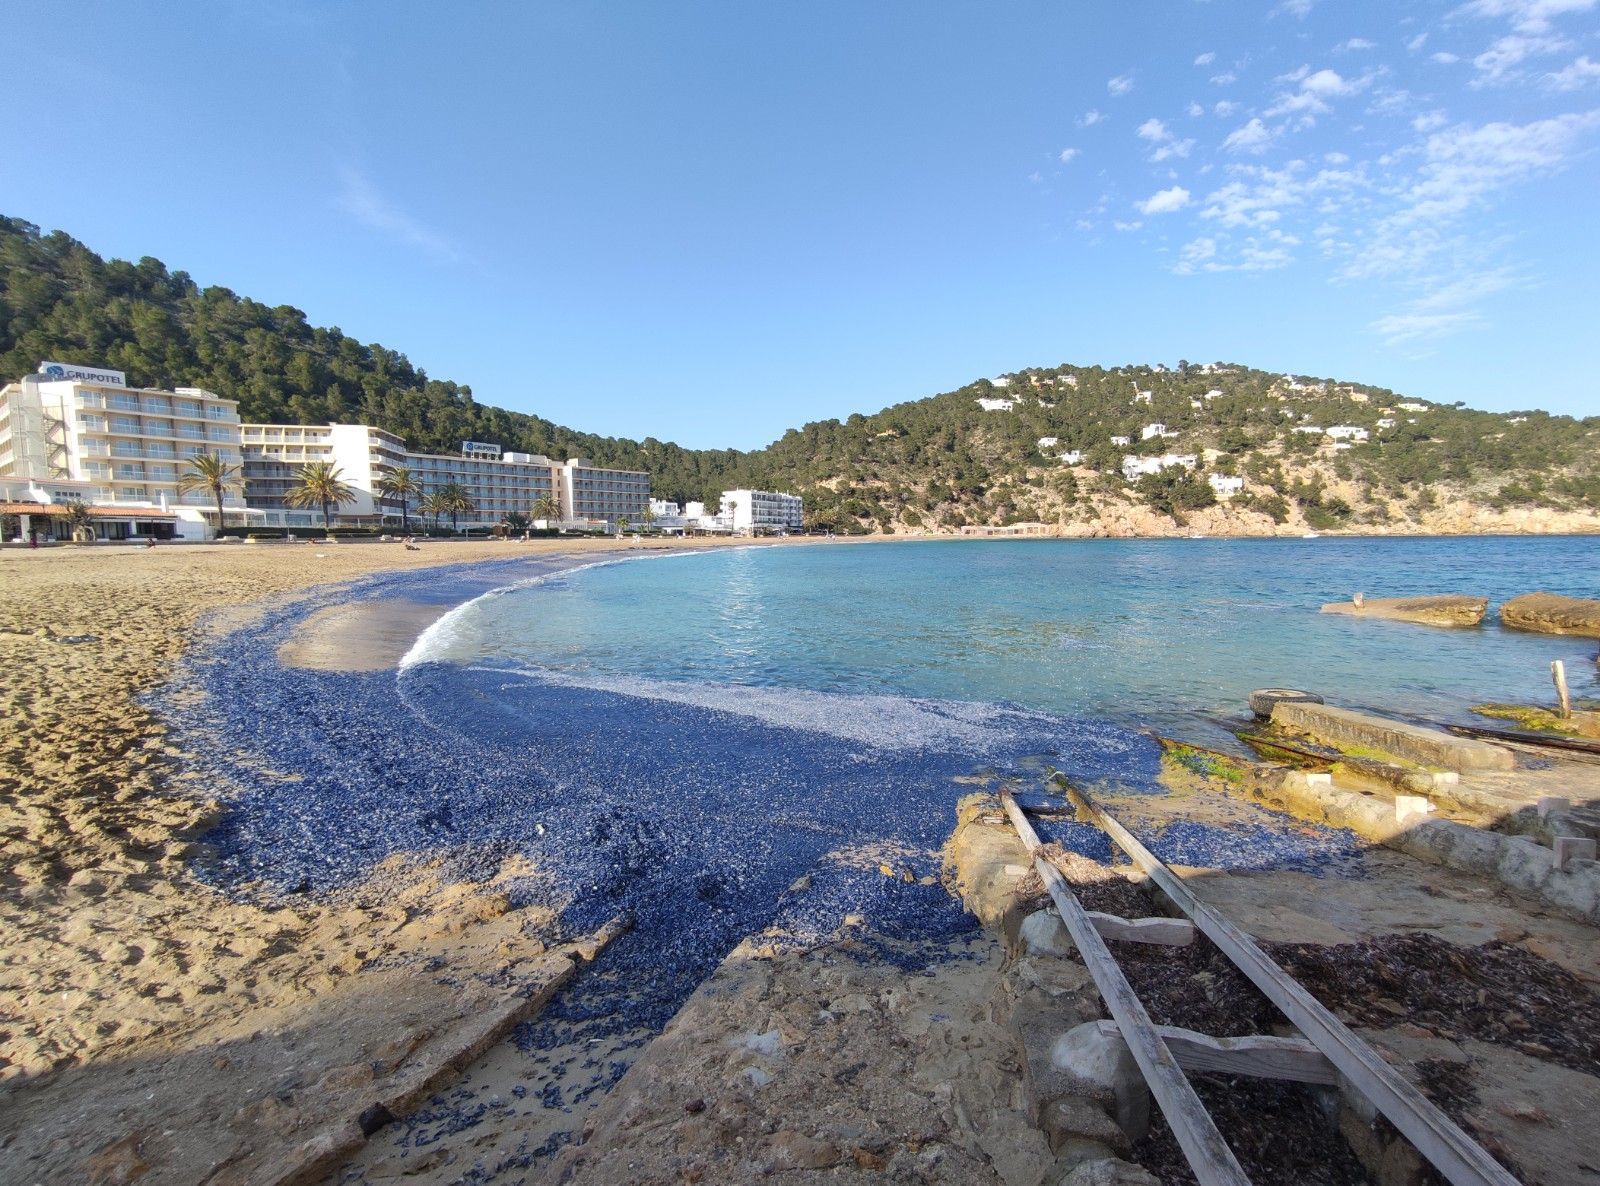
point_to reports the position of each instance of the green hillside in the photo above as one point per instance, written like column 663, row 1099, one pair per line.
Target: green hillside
column 935, row 463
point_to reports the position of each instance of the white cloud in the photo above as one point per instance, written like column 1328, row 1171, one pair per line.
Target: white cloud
column 1120, row 85
column 1581, row 73
column 1417, row 42
column 1225, row 108
column 1205, row 59
column 1429, row 121
column 1227, row 79
column 1336, row 158
column 1355, row 43
column 1128, row 226
column 360, row 199
column 1444, row 58
column 1152, row 129
column 1253, row 137
column 1258, row 253
column 1167, row 145
column 1463, row 165
column 1399, row 328
column 1295, row 8
column 1067, row 155
column 1089, row 118
column 1195, row 110
column 1527, row 16
column 1166, row 201
column 1328, row 83
column 1501, row 62
column 1173, row 148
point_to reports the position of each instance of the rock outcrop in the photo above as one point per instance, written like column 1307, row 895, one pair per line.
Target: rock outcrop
column 1550, row 613
column 1444, row 609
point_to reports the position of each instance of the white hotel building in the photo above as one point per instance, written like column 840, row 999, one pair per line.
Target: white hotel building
column 756, row 511
column 497, row 482
column 81, row 434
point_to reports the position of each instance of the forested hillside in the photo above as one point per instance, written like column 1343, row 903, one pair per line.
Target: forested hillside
column 1032, row 446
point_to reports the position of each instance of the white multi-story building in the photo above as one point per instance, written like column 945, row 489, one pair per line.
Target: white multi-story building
column 590, row 493
column 762, row 510
column 497, row 482
column 1134, row 468
column 73, row 433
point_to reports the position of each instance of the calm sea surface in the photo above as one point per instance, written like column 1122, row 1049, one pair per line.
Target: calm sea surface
column 1158, row 631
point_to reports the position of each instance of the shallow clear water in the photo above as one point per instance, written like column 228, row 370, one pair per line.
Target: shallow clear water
column 1152, row 631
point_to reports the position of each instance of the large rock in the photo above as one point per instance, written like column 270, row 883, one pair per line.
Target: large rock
column 1442, row 609
column 1550, row 613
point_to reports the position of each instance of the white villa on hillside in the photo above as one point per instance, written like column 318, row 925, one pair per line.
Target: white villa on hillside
column 1225, row 485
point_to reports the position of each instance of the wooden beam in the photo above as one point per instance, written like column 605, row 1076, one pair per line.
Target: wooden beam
column 1261, row 1056
column 1209, row 1156
column 1168, row 932
column 1461, row 1160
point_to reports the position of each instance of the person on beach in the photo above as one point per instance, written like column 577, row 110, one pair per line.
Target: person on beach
column 411, row 544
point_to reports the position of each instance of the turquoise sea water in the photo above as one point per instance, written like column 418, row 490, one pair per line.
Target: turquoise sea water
column 1164, row 631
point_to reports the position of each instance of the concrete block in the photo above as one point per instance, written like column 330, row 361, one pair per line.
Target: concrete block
column 1319, row 779
column 1572, row 848
column 1103, row 1064
column 1446, row 778
column 1405, row 805
column 1552, row 804
column 1428, row 747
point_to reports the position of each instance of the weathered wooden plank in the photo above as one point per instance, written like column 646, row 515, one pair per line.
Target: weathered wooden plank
column 1168, row 932
column 1260, row 1056
column 1461, row 1160
column 1208, row 1154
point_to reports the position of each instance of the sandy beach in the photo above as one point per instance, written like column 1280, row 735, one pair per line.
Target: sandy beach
column 123, row 973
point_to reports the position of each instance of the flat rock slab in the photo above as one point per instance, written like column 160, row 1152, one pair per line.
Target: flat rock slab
column 1430, row 747
column 1550, row 613
column 1443, row 609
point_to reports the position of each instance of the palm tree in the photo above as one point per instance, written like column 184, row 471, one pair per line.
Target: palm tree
column 733, row 507
column 545, row 508
column 648, row 515
column 514, row 522
column 398, row 485
column 431, row 507
column 320, row 483
column 453, row 500
column 208, row 472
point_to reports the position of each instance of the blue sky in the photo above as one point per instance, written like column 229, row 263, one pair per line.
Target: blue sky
column 711, row 222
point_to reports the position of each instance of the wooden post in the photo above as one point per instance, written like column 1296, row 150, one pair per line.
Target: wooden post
column 1558, row 672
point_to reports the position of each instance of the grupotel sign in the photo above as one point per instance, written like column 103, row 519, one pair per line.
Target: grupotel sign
column 68, row 370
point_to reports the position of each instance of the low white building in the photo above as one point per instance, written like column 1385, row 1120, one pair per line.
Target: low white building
column 996, row 405
column 1348, row 432
column 762, row 510
column 1155, row 430
column 1072, row 457
column 1123, row 441
column 1134, row 468
column 1225, row 485
column 1049, row 442
column 1311, row 429
column 1413, row 406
